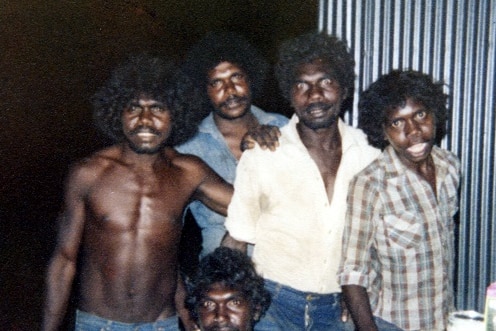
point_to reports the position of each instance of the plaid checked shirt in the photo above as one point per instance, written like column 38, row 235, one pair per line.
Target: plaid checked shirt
column 398, row 240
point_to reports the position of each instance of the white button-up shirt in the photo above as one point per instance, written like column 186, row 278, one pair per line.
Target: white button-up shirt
column 280, row 204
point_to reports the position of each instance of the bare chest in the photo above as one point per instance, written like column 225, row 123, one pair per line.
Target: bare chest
column 328, row 165
column 126, row 200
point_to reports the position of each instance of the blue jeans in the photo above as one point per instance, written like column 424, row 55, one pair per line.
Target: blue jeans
column 295, row 310
column 90, row 322
column 383, row 325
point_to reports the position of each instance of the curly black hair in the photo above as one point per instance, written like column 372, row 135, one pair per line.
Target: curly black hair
column 156, row 78
column 309, row 47
column 391, row 91
column 234, row 270
column 217, row 47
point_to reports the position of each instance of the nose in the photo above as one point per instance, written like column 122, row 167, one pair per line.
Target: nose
column 145, row 116
column 315, row 93
column 230, row 87
column 221, row 313
column 412, row 128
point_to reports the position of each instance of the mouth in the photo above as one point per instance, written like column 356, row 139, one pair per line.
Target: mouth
column 234, row 102
column 318, row 109
column 418, row 150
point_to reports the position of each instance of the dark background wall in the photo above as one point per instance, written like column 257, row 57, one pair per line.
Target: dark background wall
column 53, row 56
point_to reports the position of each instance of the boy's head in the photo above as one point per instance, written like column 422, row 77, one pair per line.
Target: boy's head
column 226, row 292
column 405, row 109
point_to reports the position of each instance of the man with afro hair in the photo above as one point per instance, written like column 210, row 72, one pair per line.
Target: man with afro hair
column 291, row 203
column 122, row 216
column 226, row 293
column 398, row 243
column 228, row 73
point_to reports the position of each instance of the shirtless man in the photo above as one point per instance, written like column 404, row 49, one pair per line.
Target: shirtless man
column 123, row 205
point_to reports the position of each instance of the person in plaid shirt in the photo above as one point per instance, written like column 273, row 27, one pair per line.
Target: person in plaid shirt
column 397, row 260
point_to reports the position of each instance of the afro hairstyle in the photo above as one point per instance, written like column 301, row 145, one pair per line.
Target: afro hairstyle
column 218, row 47
column 157, row 78
column 309, row 47
column 232, row 269
column 391, row 91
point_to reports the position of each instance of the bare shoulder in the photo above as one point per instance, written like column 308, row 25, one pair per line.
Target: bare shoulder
column 85, row 172
column 187, row 162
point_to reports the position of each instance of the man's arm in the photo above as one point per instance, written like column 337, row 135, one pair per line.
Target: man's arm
column 213, row 191
column 357, row 301
column 62, row 267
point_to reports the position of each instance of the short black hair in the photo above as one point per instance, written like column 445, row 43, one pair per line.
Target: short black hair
column 391, row 91
column 234, row 270
column 217, row 47
column 309, row 47
column 156, row 78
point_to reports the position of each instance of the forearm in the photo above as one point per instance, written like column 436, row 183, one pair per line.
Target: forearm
column 230, row 242
column 59, row 280
column 357, row 301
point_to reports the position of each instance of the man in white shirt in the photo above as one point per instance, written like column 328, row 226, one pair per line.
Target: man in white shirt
column 291, row 203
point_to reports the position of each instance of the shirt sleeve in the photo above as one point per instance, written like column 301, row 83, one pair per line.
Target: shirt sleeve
column 358, row 235
column 244, row 209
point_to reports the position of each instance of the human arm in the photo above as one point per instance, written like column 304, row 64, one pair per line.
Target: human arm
column 357, row 301
column 356, row 259
column 214, row 192
column 62, row 266
column 267, row 136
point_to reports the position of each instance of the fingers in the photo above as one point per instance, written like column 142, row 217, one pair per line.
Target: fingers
column 266, row 136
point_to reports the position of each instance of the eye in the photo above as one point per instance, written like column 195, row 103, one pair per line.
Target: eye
column 301, row 86
column 396, row 123
column 237, row 77
column 158, row 109
column 215, row 83
column 326, row 82
column 421, row 114
column 209, row 305
column 134, row 109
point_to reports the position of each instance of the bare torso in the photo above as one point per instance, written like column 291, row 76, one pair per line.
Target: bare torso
column 130, row 238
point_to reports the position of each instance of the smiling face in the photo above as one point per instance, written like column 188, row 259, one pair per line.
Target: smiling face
column 316, row 95
column 229, row 90
column 223, row 308
column 146, row 124
column 411, row 130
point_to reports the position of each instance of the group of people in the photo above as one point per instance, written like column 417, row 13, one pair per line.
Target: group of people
column 328, row 227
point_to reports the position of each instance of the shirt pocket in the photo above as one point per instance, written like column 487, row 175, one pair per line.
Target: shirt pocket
column 402, row 231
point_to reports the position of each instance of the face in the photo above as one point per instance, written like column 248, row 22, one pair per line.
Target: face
column 229, row 90
column 411, row 131
column 224, row 309
column 147, row 125
column 316, row 95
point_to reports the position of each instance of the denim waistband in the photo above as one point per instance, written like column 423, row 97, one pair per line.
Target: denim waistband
column 97, row 321
column 309, row 296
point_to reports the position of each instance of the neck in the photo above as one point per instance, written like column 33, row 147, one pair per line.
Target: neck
column 240, row 124
column 324, row 138
column 143, row 161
